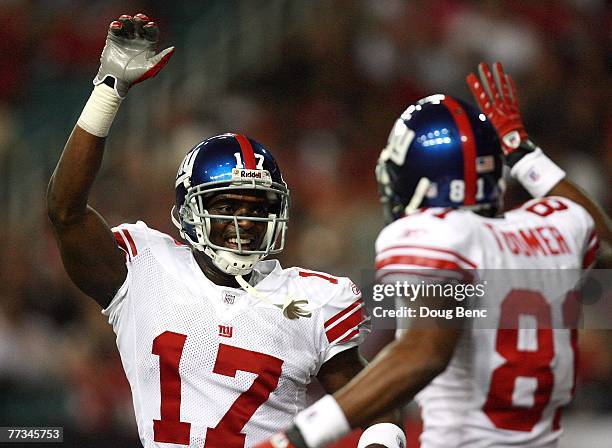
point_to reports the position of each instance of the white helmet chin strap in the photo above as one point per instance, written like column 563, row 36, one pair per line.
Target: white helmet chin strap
column 238, row 265
column 292, row 308
column 419, row 194
column 230, row 262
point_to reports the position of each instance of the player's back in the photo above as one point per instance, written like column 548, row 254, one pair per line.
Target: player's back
column 511, row 373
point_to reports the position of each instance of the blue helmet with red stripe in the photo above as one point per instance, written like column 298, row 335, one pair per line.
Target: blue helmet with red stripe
column 441, row 152
column 230, row 163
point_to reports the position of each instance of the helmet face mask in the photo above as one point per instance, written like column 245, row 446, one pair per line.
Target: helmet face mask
column 441, row 152
column 214, row 168
column 195, row 214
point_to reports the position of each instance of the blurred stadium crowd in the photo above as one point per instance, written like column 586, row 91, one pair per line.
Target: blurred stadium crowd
column 319, row 83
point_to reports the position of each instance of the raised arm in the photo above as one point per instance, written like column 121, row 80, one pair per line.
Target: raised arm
column 90, row 255
column 496, row 95
column 603, row 225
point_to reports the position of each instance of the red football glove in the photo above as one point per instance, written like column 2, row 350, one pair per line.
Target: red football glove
column 496, row 96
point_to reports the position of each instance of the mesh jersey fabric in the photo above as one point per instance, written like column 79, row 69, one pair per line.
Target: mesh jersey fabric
column 213, row 366
column 548, row 238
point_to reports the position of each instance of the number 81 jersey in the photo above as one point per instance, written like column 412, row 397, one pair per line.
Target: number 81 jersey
column 212, row 366
column 509, row 378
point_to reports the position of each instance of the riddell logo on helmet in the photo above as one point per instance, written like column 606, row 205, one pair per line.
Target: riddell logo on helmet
column 243, row 174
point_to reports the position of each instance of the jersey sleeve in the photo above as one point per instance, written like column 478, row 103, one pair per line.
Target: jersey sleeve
column 132, row 239
column 432, row 246
column 572, row 220
column 345, row 320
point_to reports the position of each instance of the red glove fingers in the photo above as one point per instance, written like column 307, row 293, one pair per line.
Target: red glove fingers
column 481, row 97
column 486, row 77
column 497, row 99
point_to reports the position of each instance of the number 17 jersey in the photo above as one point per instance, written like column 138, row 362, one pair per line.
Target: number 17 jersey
column 212, row 366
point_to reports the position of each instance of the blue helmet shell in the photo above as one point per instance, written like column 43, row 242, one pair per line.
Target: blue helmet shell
column 217, row 156
column 453, row 146
column 222, row 163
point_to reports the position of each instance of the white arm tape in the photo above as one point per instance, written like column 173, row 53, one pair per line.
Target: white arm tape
column 99, row 112
column 322, row 423
column 385, row 434
column 537, row 173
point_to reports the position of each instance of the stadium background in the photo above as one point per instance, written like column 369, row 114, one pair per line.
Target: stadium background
column 319, row 83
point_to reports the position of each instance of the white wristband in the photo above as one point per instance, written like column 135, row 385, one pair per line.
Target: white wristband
column 537, row 173
column 386, row 434
column 99, row 112
column 322, row 423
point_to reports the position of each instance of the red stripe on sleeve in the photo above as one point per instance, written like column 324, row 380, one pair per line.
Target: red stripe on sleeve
column 343, row 326
column 177, row 242
column 468, row 146
column 421, row 274
column 121, row 242
column 247, row 152
column 316, row 274
column 556, row 424
column 593, row 234
column 426, row 262
column 592, row 238
column 589, row 256
column 345, row 311
column 349, row 336
column 435, row 249
column 131, row 241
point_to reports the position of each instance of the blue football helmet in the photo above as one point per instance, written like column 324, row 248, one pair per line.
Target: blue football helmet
column 226, row 163
column 441, row 152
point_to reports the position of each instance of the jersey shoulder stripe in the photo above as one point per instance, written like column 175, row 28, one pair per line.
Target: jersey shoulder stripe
column 411, row 263
column 134, row 239
column 329, row 278
column 435, row 252
column 126, row 242
column 425, row 234
column 120, row 240
column 131, row 242
column 345, row 324
column 591, row 251
column 353, row 306
column 388, row 275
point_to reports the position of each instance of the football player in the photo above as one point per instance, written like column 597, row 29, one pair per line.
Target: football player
column 440, row 184
column 218, row 345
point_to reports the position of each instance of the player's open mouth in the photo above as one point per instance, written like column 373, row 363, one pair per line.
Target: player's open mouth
column 246, row 243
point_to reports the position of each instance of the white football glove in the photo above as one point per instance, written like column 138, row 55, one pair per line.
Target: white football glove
column 129, row 56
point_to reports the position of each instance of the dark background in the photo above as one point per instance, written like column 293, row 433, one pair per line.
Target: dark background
column 320, row 83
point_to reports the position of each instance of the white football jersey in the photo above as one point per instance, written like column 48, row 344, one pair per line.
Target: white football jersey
column 212, row 366
column 507, row 383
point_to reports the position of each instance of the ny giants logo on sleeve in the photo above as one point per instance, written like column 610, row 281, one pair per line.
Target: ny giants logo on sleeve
column 225, row 331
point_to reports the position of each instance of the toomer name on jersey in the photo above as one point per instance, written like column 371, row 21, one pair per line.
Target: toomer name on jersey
column 537, row 241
